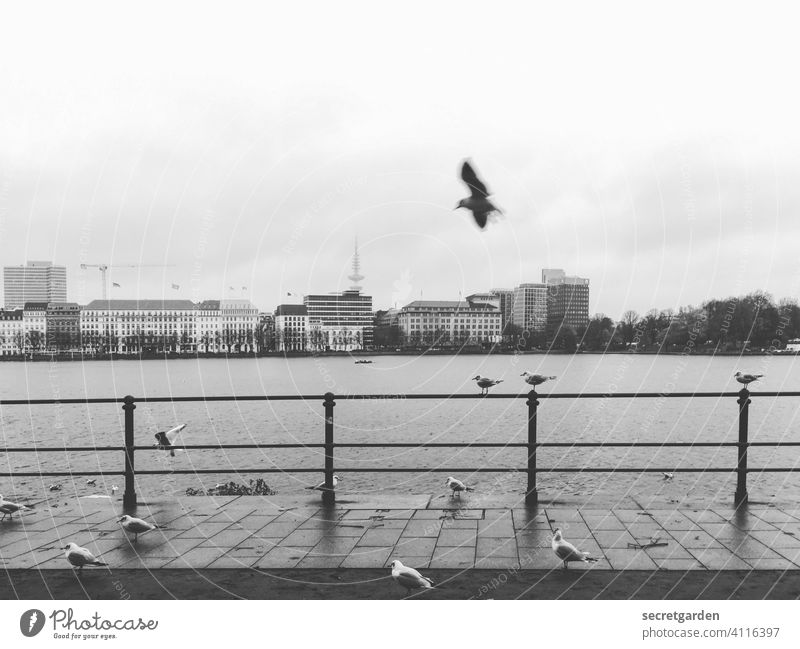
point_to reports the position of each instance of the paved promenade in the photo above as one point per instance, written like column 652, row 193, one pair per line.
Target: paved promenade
column 280, row 533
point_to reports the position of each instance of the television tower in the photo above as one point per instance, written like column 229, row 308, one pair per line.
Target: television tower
column 356, row 277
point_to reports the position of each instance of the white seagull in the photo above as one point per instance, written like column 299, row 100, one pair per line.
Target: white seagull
column 80, row 557
column 536, row 379
column 667, row 476
column 409, row 578
column 7, row 508
column 566, row 551
column 165, row 440
column 114, row 489
column 484, row 383
column 136, row 526
column 457, row 486
column 321, row 485
column 746, row 379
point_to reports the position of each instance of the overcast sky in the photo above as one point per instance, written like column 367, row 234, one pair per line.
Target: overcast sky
column 653, row 151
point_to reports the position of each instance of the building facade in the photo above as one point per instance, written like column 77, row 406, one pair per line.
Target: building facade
column 567, row 305
column 529, row 309
column 63, row 323
column 291, row 328
column 239, row 321
column 506, row 297
column 447, row 324
column 339, row 321
column 36, row 281
column 12, row 332
column 34, row 322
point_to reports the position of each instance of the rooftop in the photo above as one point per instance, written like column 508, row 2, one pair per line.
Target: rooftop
column 291, row 309
column 140, row 305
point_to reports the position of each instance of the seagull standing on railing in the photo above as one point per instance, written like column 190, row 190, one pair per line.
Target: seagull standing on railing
column 457, row 486
column 80, row 557
column 7, row 508
column 536, row 379
column 478, row 202
column 165, row 440
column 409, row 578
column 746, row 379
column 321, row 486
column 484, row 383
column 566, row 551
column 136, row 526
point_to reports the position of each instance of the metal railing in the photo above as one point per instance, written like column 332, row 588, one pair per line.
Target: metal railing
column 329, row 445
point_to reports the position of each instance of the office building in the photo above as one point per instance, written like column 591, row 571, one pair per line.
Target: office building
column 529, row 308
column 36, row 281
column 567, row 305
column 442, row 323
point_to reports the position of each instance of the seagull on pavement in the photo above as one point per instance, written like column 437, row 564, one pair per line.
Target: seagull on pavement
column 7, row 508
column 566, row 551
column 746, row 379
column 484, row 383
column 136, row 525
column 321, row 485
column 457, row 486
column 536, row 379
column 478, row 202
column 409, row 578
column 167, row 439
column 80, row 557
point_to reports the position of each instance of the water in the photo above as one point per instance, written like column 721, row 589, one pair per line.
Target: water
column 659, row 420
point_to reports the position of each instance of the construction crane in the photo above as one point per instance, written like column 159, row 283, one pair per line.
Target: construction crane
column 104, row 267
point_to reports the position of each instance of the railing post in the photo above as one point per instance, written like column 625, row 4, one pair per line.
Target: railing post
column 531, row 495
column 740, row 498
column 329, row 494
column 129, row 497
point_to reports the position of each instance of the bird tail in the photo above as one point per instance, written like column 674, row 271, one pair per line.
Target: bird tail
column 590, row 559
column 99, row 563
column 172, row 452
column 552, row 378
column 470, row 488
column 500, row 380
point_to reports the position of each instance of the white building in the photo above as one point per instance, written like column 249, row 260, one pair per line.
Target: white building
column 291, row 328
column 12, row 332
column 450, row 323
column 37, row 281
column 238, row 322
column 34, row 324
column 529, row 309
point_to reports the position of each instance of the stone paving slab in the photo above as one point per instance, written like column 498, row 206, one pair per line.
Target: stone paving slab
column 273, row 533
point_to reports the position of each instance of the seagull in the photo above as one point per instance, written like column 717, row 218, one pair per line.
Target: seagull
column 136, row 525
column 484, row 383
column 55, row 487
column 409, row 578
column 7, row 508
column 91, row 481
column 166, row 439
column 667, row 476
column 477, row 203
column 321, row 485
column 566, row 551
column 80, row 557
column 114, row 489
column 457, row 486
column 746, row 379
column 536, row 379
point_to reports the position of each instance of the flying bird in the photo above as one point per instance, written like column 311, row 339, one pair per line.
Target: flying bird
column 667, row 476
column 536, row 379
column 484, row 383
column 746, row 379
column 80, row 557
column 456, row 486
column 91, row 482
column 321, row 485
column 165, row 440
column 478, row 202
column 566, row 551
column 136, row 526
column 409, row 578
column 7, row 508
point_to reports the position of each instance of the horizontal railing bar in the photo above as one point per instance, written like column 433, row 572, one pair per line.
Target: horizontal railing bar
column 45, row 474
column 86, row 449
column 368, row 397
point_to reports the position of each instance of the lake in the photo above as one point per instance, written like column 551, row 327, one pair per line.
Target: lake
column 660, row 420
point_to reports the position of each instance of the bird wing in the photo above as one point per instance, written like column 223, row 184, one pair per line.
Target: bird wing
column 457, row 484
column 138, row 525
column 565, row 550
column 172, row 433
column 480, row 218
column 80, row 556
column 410, row 578
column 475, row 184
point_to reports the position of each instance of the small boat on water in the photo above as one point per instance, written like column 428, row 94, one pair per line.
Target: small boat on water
column 363, row 361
